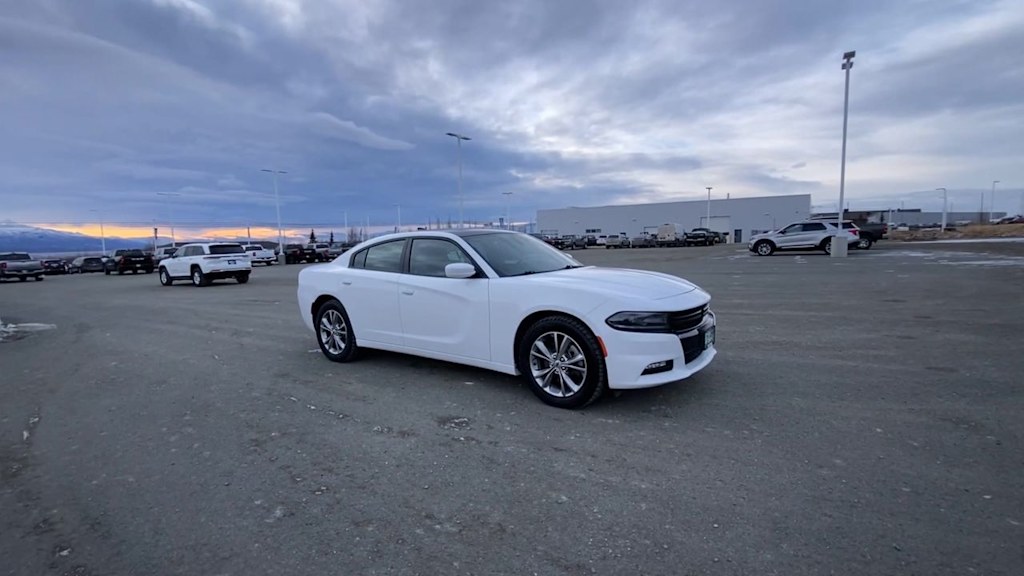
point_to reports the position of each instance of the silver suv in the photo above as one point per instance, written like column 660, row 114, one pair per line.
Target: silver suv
column 805, row 235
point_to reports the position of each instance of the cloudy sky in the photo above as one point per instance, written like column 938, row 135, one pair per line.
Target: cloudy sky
column 111, row 105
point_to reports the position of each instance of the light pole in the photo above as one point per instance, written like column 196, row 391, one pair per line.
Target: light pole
column 839, row 240
column 508, row 210
column 707, row 223
column 945, row 198
column 398, row 226
column 277, row 203
column 992, row 206
column 458, row 139
column 103, row 234
column 170, row 217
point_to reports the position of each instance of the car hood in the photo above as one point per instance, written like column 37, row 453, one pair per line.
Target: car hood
column 616, row 281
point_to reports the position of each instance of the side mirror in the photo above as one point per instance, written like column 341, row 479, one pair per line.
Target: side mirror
column 459, row 270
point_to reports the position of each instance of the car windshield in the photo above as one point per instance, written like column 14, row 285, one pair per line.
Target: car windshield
column 519, row 254
column 226, row 249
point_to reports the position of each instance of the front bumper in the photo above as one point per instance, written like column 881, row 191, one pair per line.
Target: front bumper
column 629, row 353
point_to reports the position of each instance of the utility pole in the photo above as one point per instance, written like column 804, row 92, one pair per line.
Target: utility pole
column 707, row 223
column 459, row 138
column 839, row 245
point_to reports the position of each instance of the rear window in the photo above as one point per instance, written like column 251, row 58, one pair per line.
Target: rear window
column 93, row 261
column 226, row 249
column 248, row 248
column 14, row 257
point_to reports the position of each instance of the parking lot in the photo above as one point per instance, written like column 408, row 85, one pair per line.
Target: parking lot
column 863, row 416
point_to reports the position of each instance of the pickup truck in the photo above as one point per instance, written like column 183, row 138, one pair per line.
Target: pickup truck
column 260, row 255
column 21, row 266
column 716, row 237
column 698, row 237
column 321, row 251
column 129, row 260
column 298, row 253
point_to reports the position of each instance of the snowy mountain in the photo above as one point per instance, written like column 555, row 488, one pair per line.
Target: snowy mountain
column 21, row 238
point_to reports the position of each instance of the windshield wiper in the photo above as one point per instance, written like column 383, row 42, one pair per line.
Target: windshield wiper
column 529, row 272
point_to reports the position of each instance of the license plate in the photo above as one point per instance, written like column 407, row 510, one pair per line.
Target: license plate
column 709, row 337
column 231, row 262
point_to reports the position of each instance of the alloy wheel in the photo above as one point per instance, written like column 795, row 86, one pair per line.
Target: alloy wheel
column 558, row 364
column 333, row 332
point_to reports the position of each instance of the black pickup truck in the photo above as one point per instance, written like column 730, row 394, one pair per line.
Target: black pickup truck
column 298, row 253
column 129, row 260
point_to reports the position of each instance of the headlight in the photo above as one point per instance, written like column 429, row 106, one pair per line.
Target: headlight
column 639, row 321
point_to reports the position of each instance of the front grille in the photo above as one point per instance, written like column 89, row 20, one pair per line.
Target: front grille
column 692, row 347
column 686, row 320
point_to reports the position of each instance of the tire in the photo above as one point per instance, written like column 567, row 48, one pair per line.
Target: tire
column 764, row 248
column 865, row 244
column 165, row 277
column 242, row 278
column 198, row 278
column 607, row 247
column 826, row 246
column 334, row 332
column 149, row 270
column 40, row 278
column 106, row 271
column 580, row 381
column 120, row 272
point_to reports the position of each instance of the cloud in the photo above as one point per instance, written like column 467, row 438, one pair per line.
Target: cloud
column 581, row 103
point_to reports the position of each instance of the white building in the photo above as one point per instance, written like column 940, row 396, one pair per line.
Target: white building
column 740, row 217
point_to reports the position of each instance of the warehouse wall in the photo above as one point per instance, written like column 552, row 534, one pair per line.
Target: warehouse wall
column 745, row 214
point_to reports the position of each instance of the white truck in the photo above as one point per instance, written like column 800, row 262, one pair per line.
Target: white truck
column 260, row 255
column 671, row 234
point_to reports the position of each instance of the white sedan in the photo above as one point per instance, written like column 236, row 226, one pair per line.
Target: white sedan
column 508, row 302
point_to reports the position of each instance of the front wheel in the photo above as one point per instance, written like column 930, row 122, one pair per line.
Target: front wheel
column 165, row 277
column 334, row 332
column 764, row 248
column 562, row 362
column 864, row 244
column 39, row 278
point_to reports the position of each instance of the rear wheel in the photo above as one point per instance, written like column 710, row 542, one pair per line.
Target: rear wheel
column 562, row 362
column 826, row 245
column 334, row 332
column 242, row 278
column 198, row 278
column 165, row 277
column 764, row 248
column 864, row 244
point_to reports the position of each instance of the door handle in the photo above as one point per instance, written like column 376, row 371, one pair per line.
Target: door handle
column 408, row 292
column 347, row 282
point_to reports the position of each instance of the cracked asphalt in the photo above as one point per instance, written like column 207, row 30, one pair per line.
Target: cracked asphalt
column 863, row 417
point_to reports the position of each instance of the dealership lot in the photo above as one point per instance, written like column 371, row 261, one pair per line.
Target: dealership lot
column 862, row 417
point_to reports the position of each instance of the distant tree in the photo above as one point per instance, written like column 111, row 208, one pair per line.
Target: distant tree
column 353, row 235
column 312, row 236
column 332, row 237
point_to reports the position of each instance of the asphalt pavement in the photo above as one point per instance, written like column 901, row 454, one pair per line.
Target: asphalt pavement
column 863, row 416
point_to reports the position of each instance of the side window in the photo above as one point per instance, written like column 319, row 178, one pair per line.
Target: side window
column 359, row 260
column 814, row 227
column 791, row 229
column 429, row 257
column 386, row 257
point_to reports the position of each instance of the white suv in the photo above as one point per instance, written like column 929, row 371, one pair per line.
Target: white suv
column 806, row 235
column 206, row 262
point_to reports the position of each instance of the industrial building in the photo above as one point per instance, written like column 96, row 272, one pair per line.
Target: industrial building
column 739, row 217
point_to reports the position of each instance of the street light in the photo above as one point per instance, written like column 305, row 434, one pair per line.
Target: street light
column 170, row 217
column 707, row 223
column 839, row 240
column 945, row 197
column 508, row 210
column 992, row 206
column 458, row 139
column 277, row 203
column 103, row 234
column 398, row 226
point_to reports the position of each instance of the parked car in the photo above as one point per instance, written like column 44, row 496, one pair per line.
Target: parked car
column 161, row 253
column 321, row 251
column 716, row 236
column 616, row 241
column 298, row 253
column 129, row 260
column 206, row 262
column 86, row 264
column 260, row 255
column 573, row 242
column 698, row 237
column 54, row 266
column 337, row 249
column 503, row 301
column 806, row 235
column 643, row 241
column 21, row 266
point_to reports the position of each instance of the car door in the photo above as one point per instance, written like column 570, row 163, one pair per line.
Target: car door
column 439, row 314
column 369, row 292
column 811, row 234
column 789, row 237
column 177, row 265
